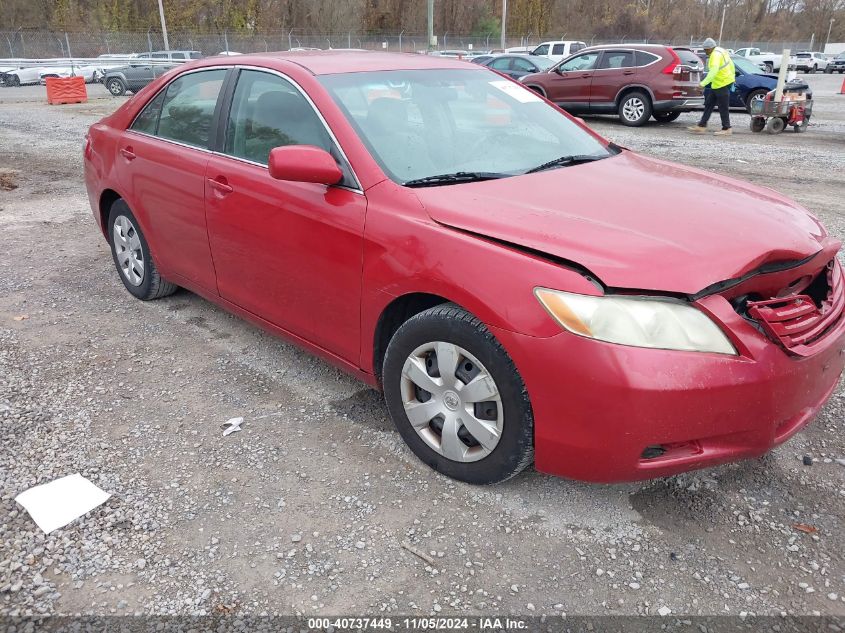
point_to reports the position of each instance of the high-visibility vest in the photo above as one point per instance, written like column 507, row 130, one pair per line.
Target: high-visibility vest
column 725, row 73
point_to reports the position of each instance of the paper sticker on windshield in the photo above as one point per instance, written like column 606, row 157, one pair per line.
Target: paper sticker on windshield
column 523, row 95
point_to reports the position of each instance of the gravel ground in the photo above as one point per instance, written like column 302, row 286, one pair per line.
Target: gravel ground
column 306, row 509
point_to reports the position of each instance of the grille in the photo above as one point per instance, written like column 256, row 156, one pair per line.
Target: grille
column 799, row 322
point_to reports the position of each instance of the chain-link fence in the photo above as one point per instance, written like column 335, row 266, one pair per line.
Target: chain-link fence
column 45, row 44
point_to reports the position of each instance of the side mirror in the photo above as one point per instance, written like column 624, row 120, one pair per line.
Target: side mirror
column 304, row 163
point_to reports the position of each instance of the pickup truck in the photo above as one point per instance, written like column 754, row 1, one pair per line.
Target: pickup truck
column 770, row 62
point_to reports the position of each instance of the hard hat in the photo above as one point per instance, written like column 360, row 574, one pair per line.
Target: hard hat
column 709, row 43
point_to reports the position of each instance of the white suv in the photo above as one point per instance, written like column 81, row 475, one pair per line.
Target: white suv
column 558, row 50
column 809, row 62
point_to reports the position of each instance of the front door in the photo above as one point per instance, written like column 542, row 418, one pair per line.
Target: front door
column 570, row 83
column 289, row 252
column 165, row 152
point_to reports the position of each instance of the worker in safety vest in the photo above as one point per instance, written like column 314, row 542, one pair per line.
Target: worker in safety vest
column 721, row 75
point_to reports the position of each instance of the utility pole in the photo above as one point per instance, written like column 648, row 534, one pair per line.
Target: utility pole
column 722, row 27
column 430, row 24
column 504, row 23
column 163, row 25
column 829, row 29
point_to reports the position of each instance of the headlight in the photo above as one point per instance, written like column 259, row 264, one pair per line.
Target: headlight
column 636, row 321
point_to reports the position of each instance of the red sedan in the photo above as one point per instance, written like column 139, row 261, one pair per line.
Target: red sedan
column 520, row 288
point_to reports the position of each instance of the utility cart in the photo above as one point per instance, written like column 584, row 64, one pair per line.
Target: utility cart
column 794, row 108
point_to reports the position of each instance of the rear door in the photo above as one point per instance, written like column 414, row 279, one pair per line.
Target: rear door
column 615, row 69
column 163, row 158
column 569, row 84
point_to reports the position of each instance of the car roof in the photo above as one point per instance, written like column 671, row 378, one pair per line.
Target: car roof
column 339, row 62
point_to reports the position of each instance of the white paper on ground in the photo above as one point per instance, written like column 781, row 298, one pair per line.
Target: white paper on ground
column 59, row 502
column 232, row 426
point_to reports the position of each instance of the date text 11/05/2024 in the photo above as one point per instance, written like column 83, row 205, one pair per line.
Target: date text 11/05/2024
column 418, row 623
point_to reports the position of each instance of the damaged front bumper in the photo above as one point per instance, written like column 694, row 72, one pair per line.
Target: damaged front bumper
column 607, row 412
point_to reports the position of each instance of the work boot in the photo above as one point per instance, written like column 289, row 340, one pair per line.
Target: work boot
column 698, row 129
column 725, row 132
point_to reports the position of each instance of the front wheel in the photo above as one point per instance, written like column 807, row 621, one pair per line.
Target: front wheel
column 13, row 81
column 457, row 398
column 634, row 108
column 666, row 117
column 132, row 257
column 116, row 87
column 754, row 95
column 775, row 125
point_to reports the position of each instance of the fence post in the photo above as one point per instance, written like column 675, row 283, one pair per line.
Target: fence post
column 67, row 41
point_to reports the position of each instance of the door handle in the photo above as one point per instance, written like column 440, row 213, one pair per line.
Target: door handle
column 127, row 153
column 220, row 185
column 627, row 72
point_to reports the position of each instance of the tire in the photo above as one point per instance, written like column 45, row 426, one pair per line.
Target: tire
column 770, row 67
column 802, row 127
column 752, row 96
column 775, row 125
column 634, row 108
column 131, row 255
column 812, row 71
column 666, row 117
column 14, row 81
column 828, row 70
column 116, row 87
column 418, row 349
column 758, row 124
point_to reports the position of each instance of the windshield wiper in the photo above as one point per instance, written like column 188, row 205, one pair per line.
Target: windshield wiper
column 565, row 161
column 458, row 176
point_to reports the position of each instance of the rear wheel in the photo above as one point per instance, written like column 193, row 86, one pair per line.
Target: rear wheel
column 758, row 124
column 635, row 108
column 456, row 397
column 116, row 87
column 754, row 95
column 666, row 117
column 132, row 257
column 770, row 67
column 813, row 70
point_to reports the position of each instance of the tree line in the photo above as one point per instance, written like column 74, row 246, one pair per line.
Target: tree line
column 656, row 19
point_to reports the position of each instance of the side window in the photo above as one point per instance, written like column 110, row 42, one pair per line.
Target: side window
column 188, row 107
column 587, row 61
column 558, row 49
column 159, row 55
column 267, row 112
column 195, row 55
column 503, row 63
column 617, row 59
column 523, row 65
column 177, row 55
column 147, row 120
column 644, row 59
column 543, row 49
column 577, row 47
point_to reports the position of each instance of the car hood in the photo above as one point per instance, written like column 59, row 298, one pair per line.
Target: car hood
column 635, row 222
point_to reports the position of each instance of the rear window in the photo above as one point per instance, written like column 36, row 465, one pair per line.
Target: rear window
column 577, row 47
column 688, row 57
column 804, row 55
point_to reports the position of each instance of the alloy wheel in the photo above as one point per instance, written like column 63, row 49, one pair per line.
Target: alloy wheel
column 127, row 248
column 452, row 401
column 633, row 109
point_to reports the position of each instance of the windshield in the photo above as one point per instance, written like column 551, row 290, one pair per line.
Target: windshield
column 749, row 68
column 543, row 63
column 423, row 123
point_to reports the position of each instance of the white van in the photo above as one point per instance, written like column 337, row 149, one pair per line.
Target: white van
column 558, row 50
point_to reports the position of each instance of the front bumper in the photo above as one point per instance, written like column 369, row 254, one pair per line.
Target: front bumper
column 678, row 105
column 598, row 406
